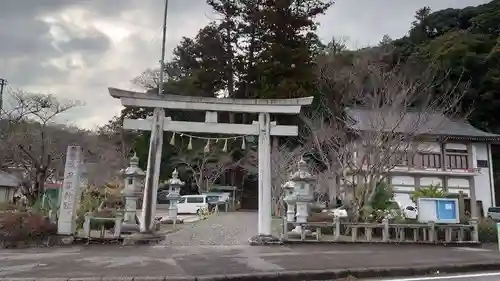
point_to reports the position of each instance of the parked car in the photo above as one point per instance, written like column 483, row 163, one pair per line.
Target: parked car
column 494, row 213
column 410, row 212
column 339, row 212
column 192, row 204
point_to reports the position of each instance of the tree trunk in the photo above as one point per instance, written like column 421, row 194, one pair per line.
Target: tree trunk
column 38, row 187
column 355, row 212
column 332, row 190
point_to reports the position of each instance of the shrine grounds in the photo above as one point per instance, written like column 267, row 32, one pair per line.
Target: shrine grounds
column 217, row 248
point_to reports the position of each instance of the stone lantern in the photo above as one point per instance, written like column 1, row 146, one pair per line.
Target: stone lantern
column 134, row 180
column 174, row 195
column 303, row 189
column 290, row 200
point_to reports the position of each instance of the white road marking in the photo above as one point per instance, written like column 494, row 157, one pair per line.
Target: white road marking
column 257, row 263
column 462, row 276
column 468, row 249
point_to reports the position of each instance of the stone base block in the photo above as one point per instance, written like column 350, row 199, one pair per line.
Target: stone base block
column 128, row 228
column 309, row 235
column 67, row 240
column 171, row 221
column 262, row 239
column 142, row 238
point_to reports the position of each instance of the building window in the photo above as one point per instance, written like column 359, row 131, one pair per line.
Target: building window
column 403, row 159
column 431, row 160
column 457, row 159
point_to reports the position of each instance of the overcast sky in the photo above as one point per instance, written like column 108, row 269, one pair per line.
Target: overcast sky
column 75, row 49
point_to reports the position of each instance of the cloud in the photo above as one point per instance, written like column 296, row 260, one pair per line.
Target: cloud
column 75, row 49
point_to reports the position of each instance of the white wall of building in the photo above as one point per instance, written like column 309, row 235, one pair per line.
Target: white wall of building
column 484, row 182
column 427, row 181
column 403, row 199
column 404, row 185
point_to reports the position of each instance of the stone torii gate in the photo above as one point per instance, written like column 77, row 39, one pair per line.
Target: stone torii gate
column 264, row 128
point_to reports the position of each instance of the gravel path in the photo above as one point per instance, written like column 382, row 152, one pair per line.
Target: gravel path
column 225, row 229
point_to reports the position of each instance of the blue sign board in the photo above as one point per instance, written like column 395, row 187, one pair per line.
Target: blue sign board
column 446, row 210
column 438, row 210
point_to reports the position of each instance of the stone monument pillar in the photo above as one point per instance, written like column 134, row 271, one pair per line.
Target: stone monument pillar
column 133, row 177
column 303, row 190
column 71, row 191
column 174, row 186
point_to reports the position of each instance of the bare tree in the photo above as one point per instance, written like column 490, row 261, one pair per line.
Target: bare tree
column 392, row 115
column 148, row 79
column 12, row 114
column 110, row 151
column 206, row 167
column 336, row 45
column 283, row 163
column 34, row 143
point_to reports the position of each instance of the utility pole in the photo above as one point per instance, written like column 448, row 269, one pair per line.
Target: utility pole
column 3, row 82
column 155, row 149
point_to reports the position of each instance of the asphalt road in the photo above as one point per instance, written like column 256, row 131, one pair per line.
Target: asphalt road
column 482, row 276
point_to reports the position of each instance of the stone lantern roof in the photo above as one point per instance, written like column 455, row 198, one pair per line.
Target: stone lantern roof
column 133, row 169
column 302, row 173
column 175, row 179
column 289, row 184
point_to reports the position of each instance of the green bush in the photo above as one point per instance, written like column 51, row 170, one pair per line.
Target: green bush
column 382, row 200
column 431, row 191
column 91, row 201
column 487, row 230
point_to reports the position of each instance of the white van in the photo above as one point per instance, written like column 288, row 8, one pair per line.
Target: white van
column 192, row 204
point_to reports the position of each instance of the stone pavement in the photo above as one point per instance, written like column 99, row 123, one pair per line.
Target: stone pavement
column 205, row 260
column 224, row 229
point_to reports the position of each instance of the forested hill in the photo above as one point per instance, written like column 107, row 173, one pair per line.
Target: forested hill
column 465, row 44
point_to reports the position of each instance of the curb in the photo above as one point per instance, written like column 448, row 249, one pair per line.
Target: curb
column 442, row 244
column 302, row 275
column 353, row 272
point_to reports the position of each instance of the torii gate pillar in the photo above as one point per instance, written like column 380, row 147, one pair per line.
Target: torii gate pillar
column 264, row 128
